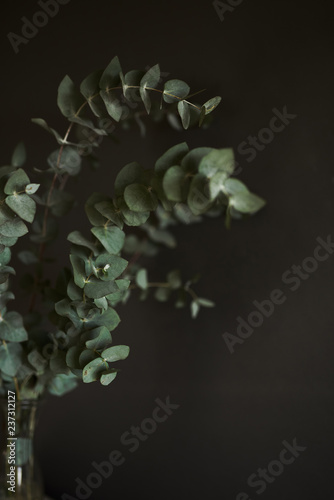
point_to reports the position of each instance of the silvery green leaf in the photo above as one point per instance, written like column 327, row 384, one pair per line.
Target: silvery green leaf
column 141, row 279
column 174, row 90
column 19, row 156
column 205, row 302
column 69, row 98
column 139, row 198
column 31, row 188
column 93, row 370
column 111, row 75
column 130, row 174
column 116, row 353
column 78, row 239
column 176, row 184
column 11, row 356
column 174, row 279
column 11, row 327
column 17, row 182
column 14, row 228
column 247, row 202
column 90, row 90
column 112, row 104
column 148, row 82
column 192, row 160
column 195, row 307
column 184, row 112
column 173, row 156
column 108, row 376
column 162, row 294
column 234, row 186
column 218, row 160
column 111, row 237
column 95, row 288
column 61, row 384
column 23, row 206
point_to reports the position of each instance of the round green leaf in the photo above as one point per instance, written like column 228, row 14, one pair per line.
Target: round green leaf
column 16, row 182
column 23, row 206
column 176, row 183
column 174, row 90
column 139, row 198
column 115, row 353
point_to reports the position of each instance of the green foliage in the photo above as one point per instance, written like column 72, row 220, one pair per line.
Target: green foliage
column 74, row 341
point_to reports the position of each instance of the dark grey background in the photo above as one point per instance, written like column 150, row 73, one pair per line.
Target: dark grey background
column 235, row 410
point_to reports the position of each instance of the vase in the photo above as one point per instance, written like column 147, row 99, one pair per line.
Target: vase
column 20, row 476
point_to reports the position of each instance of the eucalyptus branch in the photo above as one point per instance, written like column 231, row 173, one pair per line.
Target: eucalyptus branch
column 183, row 185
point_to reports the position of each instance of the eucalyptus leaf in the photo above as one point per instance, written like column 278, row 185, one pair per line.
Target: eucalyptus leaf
column 176, row 184
column 174, row 90
column 173, row 156
column 69, row 98
column 246, row 202
column 149, row 82
column 132, row 79
column 139, row 198
column 14, row 228
column 23, row 206
column 208, row 107
column 11, row 327
column 90, row 90
column 98, row 338
column 130, row 174
column 234, row 187
column 112, row 104
column 19, row 155
column 205, row 302
column 111, row 75
column 79, row 270
column 78, row 239
column 174, row 279
column 112, row 266
column 195, row 307
column 111, row 237
column 192, row 160
column 31, row 188
column 95, row 288
column 116, row 353
column 11, row 356
column 94, row 216
column 5, row 255
column 218, row 160
column 162, row 294
column 16, row 182
column 108, row 376
column 141, row 279
column 69, row 162
column 93, row 370
column 108, row 210
column 62, row 384
column 184, row 112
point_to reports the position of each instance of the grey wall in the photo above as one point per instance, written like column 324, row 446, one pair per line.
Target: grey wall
column 235, row 410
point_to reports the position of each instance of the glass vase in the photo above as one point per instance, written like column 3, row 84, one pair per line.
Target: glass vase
column 20, row 476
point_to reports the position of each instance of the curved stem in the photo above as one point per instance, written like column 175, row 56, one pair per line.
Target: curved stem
column 55, row 177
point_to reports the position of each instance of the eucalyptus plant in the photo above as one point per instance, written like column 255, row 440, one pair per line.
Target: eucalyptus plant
column 65, row 333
